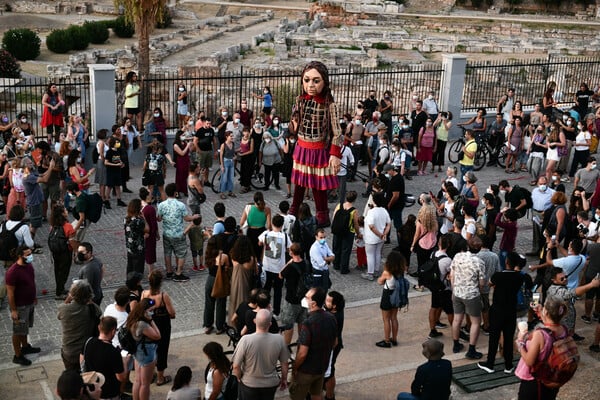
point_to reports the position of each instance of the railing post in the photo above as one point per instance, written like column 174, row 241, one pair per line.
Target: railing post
column 102, row 97
column 453, row 82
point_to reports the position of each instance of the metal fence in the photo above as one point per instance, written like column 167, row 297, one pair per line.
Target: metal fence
column 25, row 96
column 209, row 90
column 487, row 81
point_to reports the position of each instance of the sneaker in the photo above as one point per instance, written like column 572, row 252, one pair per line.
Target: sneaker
column 121, row 203
column 565, row 179
column 201, row 268
column 595, row 348
column 433, row 334
column 473, row 355
column 383, row 344
column 195, row 268
column 586, row 319
column 180, row 278
column 394, row 343
column 578, row 338
column 457, row 348
column 509, row 371
column 126, row 190
column 485, row 367
column 22, row 360
column 169, row 276
column 107, row 205
column 366, row 276
column 440, row 325
column 486, row 332
column 595, row 316
column 29, row 349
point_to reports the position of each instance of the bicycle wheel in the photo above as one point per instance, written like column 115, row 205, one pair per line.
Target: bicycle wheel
column 257, row 181
column 502, row 157
column 215, row 182
column 453, row 151
column 480, row 158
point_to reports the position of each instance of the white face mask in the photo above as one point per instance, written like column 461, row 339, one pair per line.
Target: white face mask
column 594, row 166
column 430, row 97
column 182, row 89
column 237, row 120
column 483, row 202
column 358, row 123
column 554, row 178
column 267, row 141
column 490, row 191
column 464, row 178
column 190, row 123
column 304, row 303
column 543, row 188
column 257, row 126
column 24, row 120
column 275, row 122
column 156, row 115
column 224, row 113
column 569, row 123
column 502, row 192
column 78, row 159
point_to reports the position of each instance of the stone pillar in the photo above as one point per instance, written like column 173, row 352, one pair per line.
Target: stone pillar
column 103, row 96
column 453, row 82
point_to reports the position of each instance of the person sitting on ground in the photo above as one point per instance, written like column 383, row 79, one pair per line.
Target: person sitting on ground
column 432, row 379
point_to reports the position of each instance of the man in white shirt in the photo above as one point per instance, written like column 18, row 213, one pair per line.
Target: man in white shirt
column 541, row 197
column 276, row 245
column 320, row 258
column 430, row 106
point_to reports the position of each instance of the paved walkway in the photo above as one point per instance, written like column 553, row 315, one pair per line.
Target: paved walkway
column 365, row 371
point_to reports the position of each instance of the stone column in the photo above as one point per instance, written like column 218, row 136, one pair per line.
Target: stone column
column 103, row 97
column 453, row 82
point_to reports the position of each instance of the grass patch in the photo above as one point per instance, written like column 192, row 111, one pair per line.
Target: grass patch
column 268, row 51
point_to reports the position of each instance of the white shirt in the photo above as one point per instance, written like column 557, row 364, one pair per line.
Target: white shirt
column 447, row 225
column 275, row 246
column 22, row 234
column 346, row 161
column 430, row 106
column 581, row 141
column 468, row 228
column 120, row 316
column 379, row 218
column 318, row 252
column 288, row 222
column 453, row 180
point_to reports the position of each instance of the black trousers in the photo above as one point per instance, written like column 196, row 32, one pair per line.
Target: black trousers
column 62, row 266
column 505, row 324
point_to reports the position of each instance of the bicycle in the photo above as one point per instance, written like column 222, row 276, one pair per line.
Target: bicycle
column 256, row 181
column 484, row 151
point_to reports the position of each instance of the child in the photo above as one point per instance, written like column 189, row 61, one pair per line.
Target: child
column 197, row 235
column 288, row 219
column 361, row 255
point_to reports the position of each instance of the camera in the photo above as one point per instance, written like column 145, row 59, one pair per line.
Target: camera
column 151, row 303
column 582, row 229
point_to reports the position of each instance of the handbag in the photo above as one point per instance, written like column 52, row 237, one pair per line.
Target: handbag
column 428, row 240
column 222, row 285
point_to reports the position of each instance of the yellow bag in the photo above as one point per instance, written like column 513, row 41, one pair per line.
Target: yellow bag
column 594, row 145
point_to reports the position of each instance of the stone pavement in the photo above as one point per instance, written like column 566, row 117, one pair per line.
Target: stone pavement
column 365, row 371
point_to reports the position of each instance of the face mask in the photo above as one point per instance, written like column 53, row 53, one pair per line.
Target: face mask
column 415, row 97
column 395, row 149
column 387, row 176
column 117, row 145
column 565, row 117
column 4, row 119
column 29, row 259
column 594, row 166
column 292, row 140
column 322, row 241
column 429, row 124
column 81, row 256
column 462, row 212
column 275, row 122
column 78, row 160
column 430, row 97
column 597, row 216
column 267, row 141
column 543, row 188
column 554, row 178
column 502, row 192
column 156, row 115
column 342, row 121
column 150, row 313
column 224, row 113
column 569, row 123
column 182, row 89
column 257, row 126
column 483, row 202
column 72, row 197
column 304, row 303
column 358, row 123
column 464, row 178
column 387, row 97
column 24, row 120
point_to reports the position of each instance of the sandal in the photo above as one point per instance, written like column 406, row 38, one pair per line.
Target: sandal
column 167, row 379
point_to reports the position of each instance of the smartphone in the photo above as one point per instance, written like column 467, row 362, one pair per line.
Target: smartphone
column 597, row 276
column 536, row 300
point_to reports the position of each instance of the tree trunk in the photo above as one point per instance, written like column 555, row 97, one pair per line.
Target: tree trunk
column 144, row 59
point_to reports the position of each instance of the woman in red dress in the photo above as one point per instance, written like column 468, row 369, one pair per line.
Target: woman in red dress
column 52, row 116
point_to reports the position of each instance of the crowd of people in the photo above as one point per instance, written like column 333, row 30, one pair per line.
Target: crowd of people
column 264, row 250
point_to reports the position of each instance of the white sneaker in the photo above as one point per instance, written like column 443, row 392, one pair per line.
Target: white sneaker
column 366, row 276
column 484, row 367
column 509, row 371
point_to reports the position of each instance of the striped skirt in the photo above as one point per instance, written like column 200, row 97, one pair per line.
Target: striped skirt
column 311, row 169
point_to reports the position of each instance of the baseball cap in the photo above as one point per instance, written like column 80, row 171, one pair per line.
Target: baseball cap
column 382, row 127
column 388, row 167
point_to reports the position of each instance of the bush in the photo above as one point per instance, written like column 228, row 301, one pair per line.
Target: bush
column 167, row 19
column 80, row 40
column 9, row 67
column 59, row 41
column 122, row 28
column 22, row 43
column 97, row 31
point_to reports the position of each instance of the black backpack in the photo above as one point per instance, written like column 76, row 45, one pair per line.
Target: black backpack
column 95, row 155
column 429, row 274
column 528, row 200
column 305, row 281
column 126, row 340
column 230, row 390
column 57, row 241
column 9, row 242
column 94, row 207
column 341, row 221
column 304, row 234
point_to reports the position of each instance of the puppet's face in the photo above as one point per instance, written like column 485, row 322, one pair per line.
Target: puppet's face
column 313, row 82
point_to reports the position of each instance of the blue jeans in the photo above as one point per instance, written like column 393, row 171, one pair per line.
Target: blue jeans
column 227, row 176
column 502, row 258
column 463, row 170
column 406, row 396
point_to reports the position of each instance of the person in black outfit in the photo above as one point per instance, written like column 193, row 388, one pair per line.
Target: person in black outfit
column 432, row 380
column 582, row 99
column 370, row 104
column 335, row 304
column 292, row 311
column 503, row 313
column 263, row 301
column 394, row 196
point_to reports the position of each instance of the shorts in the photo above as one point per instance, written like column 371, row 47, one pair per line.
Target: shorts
column 304, row 383
column 145, row 354
column 205, row 159
column 290, row 314
column 442, row 299
column 51, row 192
column 24, row 320
column 133, row 111
column 593, row 293
column 35, row 215
column 80, row 234
column 155, row 180
column 175, row 245
column 485, row 302
column 470, row 307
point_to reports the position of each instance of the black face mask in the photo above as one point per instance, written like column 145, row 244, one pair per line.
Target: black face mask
column 81, row 256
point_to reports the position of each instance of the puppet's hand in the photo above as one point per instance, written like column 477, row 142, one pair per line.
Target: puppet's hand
column 334, row 164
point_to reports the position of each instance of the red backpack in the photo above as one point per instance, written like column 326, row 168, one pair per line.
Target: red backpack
column 560, row 364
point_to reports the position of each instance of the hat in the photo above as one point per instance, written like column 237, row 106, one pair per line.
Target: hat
column 381, row 126
column 388, row 167
column 93, row 377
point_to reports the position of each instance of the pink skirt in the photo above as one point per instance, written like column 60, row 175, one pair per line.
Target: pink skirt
column 311, row 169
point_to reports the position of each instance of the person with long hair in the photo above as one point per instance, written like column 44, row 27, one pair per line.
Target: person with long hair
column 113, row 164
column 133, row 137
column 59, row 219
column 144, row 330
column 214, row 259
column 52, row 116
column 16, row 195
column 258, row 216
column 77, row 172
column 393, row 272
column 218, row 371
column 181, row 389
column 182, row 147
column 245, row 268
column 226, row 157
column 163, row 312
column 182, row 103
column 318, row 150
column 425, row 238
column 247, row 159
column 100, row 176
column 77, row 133
column 152, row 236
column 154, row 170
column 267, row 99
column 426, row 146
column 132, row 97
column 160, row 124
column 135, row 231
column 270, row 156
column 442, row 126
column 557, row 143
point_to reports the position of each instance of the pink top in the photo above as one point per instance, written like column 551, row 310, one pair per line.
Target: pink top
column 523, row 371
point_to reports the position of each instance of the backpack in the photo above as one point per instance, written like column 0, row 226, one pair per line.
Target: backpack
column 305, row 282
column 57, row 241
column 399, row 296
column 9, row 242
column 528, row 200
column 230, row 390
column 94, row 207
column 524, row 295
column 429, row 274
column 303, row 233
column 479, row 230
column 341, row 221
column 378, row 159
column 95, row 155
column 126, row 340
column 560, row 364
